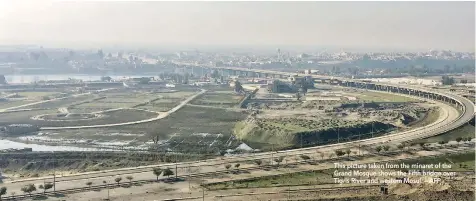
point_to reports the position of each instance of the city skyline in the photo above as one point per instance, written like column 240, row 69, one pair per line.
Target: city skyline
column 384, row 26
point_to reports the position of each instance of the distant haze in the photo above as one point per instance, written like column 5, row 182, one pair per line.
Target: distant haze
column 358, row 25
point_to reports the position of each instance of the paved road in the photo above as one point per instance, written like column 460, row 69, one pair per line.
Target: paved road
column 160, row 116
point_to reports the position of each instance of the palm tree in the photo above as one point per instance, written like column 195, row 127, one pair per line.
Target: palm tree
column 157, row 172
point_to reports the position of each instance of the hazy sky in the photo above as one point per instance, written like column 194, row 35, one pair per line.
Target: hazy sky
column 400, row 25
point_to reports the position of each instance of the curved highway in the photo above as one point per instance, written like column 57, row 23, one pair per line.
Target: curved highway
column 450, row 118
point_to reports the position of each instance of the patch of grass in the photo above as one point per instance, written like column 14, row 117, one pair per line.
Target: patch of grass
column 382, row 97
column 301, row 178
column 189, row 120
column 36, row 94
column 8, row 104
column 465, row 131
column 218, row 98
column 431, row 116
column 118, row 116
column 161, row 105
column 455, row 160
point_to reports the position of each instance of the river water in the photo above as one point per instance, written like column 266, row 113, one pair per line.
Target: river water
column 24, row 79
column 7, row 144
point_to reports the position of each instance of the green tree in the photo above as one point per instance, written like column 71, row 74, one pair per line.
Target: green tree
column 118, row 180
column 386, row 148
column 227, row 166
column 279, row 160
column 186, row 78
column 258, row 162
column 42, row 187
column 305, row 157
column 401, row 146
column 458, row 139
column 238, row 87
column 89, row 183
column 378, row 149
column 130, row 178
column 100, row 54
column 168, row 172
column 298, row 96
column 237, row 165
column 347, row 151
column 339, row 153
column 144, row 80
column 157, row 172
column 447, row 80
column 3, row 191
column 46, row 187
column 29, row 188
column 422, row 144
column 215, row 74
column 106, row 79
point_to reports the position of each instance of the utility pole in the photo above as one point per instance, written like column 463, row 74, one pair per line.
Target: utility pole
column 176, row 172
column 301, row 140
column 203, row 192
column 54, row 172
column 338, row 136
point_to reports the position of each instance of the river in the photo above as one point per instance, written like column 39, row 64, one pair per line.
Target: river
column 24, row 79
column 7, row 144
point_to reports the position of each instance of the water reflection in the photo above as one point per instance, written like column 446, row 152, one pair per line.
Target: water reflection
column 7, row 144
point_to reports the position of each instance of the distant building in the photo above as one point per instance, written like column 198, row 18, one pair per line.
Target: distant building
column 281, row 87
column 170, row 85
column 2, row 79
column 302, row 81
